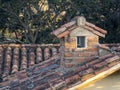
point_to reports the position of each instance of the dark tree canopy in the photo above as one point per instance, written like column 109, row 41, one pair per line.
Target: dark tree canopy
column 31, row 21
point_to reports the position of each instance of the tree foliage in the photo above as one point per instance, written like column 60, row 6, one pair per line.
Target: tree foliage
column 31, row 21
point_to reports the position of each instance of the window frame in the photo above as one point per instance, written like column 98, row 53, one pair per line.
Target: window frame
column 85, row 42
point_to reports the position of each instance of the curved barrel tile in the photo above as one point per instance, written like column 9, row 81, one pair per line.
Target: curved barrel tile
column 24, row 58
column 1, row 59
column 38, row 55
column 15, row 66
column 31, row 59
column 54, row 51
column 46, row 53
column 7, row 62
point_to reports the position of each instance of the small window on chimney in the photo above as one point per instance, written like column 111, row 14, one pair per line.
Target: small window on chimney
column 81, row 41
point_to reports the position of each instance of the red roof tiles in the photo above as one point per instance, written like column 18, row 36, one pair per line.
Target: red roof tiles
column 19, row 57
column 96, row 28
column 66, row 28
column 49, row 75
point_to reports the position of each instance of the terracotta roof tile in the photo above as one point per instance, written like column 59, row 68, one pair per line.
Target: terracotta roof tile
column 69, row 24
column 7, row 62
column 81, row 68
column 46, row 53
column 100, row 65
column 24, row 63
column 63, row 34
column 91, row 63
column 101, row 70
column 57, row 84
column 109, row 60
column 72, row 79
column 94, row 31
column 87, row 76
column 89, row 70
column 66, row 28
column 113, row 63
column 31, row 58
column 59, row 30
column 15, row 60
column 54, row 51
column 39, row 55
column 49, row 75
column 106, row 56
column 96, row 28
column 21, row 74
column 15, row 57
column 103, row 46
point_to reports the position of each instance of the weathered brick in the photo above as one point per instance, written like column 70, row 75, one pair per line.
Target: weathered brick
column 92, row 39
column 92, row 44
column 93, row 49
column 68, row 54
column 68, row 60
column 68, row 65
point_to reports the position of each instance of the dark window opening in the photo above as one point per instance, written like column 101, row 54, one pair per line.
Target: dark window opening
column 80, row 41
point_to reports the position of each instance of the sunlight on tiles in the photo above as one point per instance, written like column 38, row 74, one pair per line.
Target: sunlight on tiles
column 91, row 85
column 99, row 87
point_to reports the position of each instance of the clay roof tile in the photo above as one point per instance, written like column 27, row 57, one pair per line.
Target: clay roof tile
column 64, row 29
column 47, row 74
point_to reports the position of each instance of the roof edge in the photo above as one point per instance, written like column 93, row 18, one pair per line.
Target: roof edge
column 79, row 21
column 96, row 78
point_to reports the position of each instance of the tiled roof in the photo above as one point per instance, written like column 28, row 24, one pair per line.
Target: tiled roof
column 49, row 75
column 68, row 27
column 15, row 57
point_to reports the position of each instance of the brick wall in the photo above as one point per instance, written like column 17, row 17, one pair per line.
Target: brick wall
column 74, row 55
column 73, row 58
